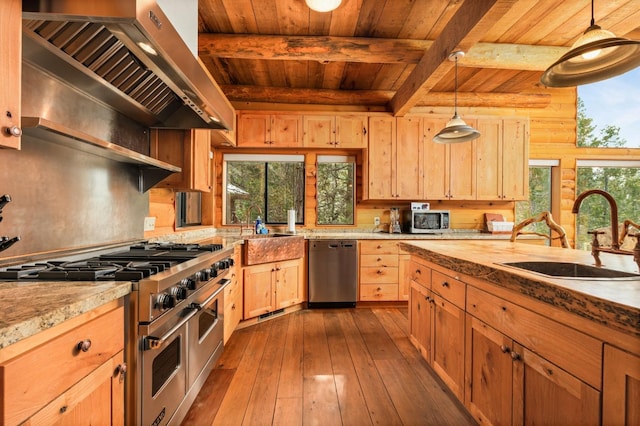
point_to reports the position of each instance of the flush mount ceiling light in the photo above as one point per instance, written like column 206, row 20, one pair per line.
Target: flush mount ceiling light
column 456, row 130
column 597, row 55
column 323, row 5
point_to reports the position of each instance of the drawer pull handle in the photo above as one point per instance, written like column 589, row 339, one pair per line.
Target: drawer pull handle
column 378, row 259
column 515, row 356
column 63, row 409
column 84, row 346
column 121, row 370
column 379, row 272
column 505, row 349
column 418, row 271
column 445, row 284
column 379, row 246
column 379, row 289
column 233, row 307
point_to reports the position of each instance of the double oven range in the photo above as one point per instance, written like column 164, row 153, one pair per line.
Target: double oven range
column 174, row 315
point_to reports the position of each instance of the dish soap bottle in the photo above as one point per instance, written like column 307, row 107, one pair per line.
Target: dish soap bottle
column 258, row 225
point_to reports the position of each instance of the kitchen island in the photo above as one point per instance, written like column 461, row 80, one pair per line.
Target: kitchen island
column 522, row 347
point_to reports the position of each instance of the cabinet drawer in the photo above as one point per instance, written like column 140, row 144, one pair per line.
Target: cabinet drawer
column 379, row 260
column 379, row 247
column 420, row 274
column 371, row 275
column 575, row 352
column 35, row 378
column 378, row 292
column 448, row 287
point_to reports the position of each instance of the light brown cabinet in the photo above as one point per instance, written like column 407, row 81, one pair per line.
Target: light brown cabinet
column 339, row 131
column 272, row 286
column 233, row 296
column 188, row 149
column 621, row 387
column 269, row 130
column 76, row 377
column 437, row 323
column 11, row 67
column 449, row 169
column 502, row 159
column 378, row 271
column 394, row 159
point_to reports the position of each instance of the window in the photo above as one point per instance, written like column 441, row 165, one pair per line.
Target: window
column 539, row 196
column 335, row 190
column 621, row 179
column 263, row 185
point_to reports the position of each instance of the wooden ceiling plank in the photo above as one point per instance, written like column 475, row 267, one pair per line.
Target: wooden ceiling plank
column 465, row 29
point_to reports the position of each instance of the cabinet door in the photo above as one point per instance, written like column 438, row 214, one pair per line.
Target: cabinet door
column 407, row 167
column 489, row 160
column 382, row 133
column 258, row 290
column 200, row 160
column 11, row 66
column 254, row 130
column 436, row 161
column 620, row 388
column 515, row 159
column 448, row 344
column 288, row 289
column 286, row 130
column 351, row 131
column 319, row 131
column 547, row 395
column 488, row 373
column 404, row 276
column 462, row 169
column 420, row 323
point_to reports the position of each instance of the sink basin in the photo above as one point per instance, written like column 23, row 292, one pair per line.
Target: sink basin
column 269, row 248
column 571, row 270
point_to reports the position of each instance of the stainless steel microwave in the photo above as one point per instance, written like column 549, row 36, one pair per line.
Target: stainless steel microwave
column 426, row 221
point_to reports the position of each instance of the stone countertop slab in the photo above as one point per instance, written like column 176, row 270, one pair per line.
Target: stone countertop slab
column 614, row 303
column 26, row 308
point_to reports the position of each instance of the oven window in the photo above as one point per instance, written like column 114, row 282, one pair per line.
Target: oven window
column 207, row 319
column 165, row 364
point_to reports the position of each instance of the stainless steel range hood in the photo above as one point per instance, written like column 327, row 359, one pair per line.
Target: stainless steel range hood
column 126, row 54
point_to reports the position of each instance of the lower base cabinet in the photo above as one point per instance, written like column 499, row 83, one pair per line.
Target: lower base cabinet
column 272, row 286
column 233, row 297
column 621, row 387
column 73, row 378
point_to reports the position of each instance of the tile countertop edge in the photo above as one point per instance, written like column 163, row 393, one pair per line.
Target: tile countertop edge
column 592, row 307
column 56, row 310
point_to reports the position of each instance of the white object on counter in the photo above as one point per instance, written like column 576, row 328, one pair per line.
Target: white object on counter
column 495, row 226
column 291, row 221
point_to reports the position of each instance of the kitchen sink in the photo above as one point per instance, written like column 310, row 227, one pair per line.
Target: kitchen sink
column 266, row 248
column 571, row 270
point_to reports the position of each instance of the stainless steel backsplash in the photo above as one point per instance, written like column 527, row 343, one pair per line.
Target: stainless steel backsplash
column 62, row 198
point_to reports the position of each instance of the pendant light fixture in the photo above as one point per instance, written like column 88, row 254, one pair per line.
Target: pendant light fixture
column 597, row 55
column 456, row 130
column 323, row 5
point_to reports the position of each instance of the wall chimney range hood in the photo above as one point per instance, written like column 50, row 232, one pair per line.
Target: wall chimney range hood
column 127, row 55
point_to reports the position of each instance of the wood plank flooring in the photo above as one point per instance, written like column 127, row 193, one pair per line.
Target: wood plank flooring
column 325, row 367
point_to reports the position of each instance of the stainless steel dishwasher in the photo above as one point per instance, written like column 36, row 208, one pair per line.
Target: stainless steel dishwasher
column 333, row 273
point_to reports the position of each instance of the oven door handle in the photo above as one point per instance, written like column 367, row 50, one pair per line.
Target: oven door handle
column 208, row 300
column 151, row 342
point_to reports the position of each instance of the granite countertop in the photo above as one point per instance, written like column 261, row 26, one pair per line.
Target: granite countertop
column 30, row 307
column 614, row 303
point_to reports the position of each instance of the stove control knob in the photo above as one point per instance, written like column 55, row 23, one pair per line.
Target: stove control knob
column 188, row 283
column 166, row 301
column 179, row 292
column 202, row 275
column 231, row 261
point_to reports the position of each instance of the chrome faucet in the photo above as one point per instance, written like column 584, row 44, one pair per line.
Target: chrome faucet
column 6, row 242
column 596, row 248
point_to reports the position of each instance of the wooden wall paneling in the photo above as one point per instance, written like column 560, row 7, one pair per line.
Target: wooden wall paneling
column 311, row 191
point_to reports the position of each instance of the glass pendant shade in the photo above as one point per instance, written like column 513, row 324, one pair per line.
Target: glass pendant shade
column 323, row 5
column 597, row 55
column 456, row 130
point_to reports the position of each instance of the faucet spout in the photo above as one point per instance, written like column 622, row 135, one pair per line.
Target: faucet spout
column 615, row 241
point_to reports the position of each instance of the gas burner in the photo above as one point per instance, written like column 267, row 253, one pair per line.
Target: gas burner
column 176, row 246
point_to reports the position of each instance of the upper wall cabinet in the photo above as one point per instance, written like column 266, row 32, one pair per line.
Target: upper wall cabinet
column 340, row 131
column 189, row 150
column 269, row 130
column 10, row 66
column 502, row 158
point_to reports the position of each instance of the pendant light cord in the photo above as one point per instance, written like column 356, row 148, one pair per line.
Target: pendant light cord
column 455, row 90
column 593, row 21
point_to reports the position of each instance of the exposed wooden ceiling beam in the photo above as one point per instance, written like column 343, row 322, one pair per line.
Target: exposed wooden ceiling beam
column 469, row 24
column 379, row 97
column 371, row 50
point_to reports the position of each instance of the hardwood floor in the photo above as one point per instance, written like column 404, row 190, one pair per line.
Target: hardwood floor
column 325, row 367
